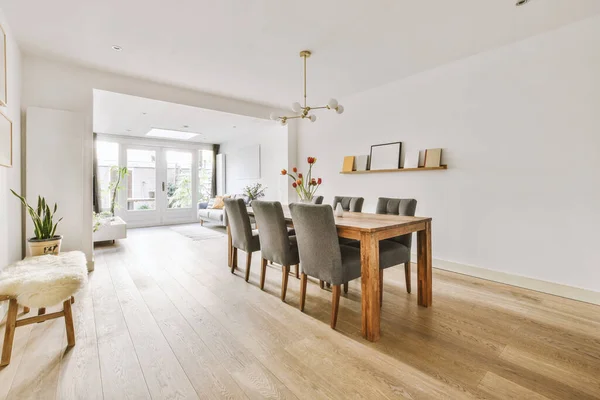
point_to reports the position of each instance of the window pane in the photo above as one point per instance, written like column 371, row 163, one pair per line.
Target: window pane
column 179, row 179
column 141, row 185
column 205, row 168
column 108, row 158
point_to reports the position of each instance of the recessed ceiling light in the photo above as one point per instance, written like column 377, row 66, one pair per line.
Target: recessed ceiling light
column 170, row 134
column 522, row 2
column 186, row 126
column 117, row 47
column 234, row 126
column 128, row 130
column 144, row 113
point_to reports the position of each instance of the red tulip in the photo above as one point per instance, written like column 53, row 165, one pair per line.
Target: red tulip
column 295, row 169
column 313, row 181
column 311, row 160
column 283, row 172
column 294, row 185
column 299, row 181
column 319, row 181
column 300, row 175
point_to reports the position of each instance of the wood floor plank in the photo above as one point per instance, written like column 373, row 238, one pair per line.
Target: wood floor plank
column 501, row 388
column 80, row 365
column 121, row 373
column 164, row 375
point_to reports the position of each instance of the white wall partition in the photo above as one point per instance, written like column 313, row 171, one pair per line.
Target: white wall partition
column 520, row 129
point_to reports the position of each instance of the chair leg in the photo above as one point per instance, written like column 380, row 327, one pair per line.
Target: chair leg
column 328, row 284
column 248, row 263
column 233, row 259
column 263, row 272
column 407, row 275
column 297, row 271
column 42, row 311
column 346, row 287
column 26, row 310
column 335, row 304
column 284, row 281
column 72, row 299
column 380, row 287
column 322, row 284
column 303, row 282
column 69, row 323
column 9, row 332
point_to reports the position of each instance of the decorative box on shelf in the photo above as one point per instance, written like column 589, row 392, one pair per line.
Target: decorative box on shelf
column 396, row 170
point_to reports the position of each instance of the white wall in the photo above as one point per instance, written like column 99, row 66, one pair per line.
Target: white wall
column 520, row 129
column 274, row 157
column 10, row 178
column 57, row 85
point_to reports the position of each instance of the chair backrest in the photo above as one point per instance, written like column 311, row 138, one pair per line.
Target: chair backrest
column 353, row 204
column 318, row 242
column 317, row 200
column 273, row 234
column 239, row 223
column 405, row 207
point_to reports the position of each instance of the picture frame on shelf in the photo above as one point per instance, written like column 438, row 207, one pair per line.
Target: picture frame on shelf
column 385, row 156
column 6, row 156
column 361, row 163
column 411, row 159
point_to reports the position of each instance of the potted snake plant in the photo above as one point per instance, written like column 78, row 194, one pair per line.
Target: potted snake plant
column 45, row 241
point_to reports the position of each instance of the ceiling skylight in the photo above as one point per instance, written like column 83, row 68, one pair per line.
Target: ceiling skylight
column 170, row 134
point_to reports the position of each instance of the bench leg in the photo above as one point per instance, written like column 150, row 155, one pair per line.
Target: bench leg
column 26, row 310
column 9, row 332
column 69, row 323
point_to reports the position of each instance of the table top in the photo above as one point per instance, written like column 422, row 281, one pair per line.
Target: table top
column 366, row 222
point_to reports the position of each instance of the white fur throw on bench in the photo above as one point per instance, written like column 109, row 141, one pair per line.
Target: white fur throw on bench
column 45, row 280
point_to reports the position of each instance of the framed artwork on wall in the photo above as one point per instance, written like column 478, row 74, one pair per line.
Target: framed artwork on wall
column 5, row 141
column 3, row 94
column 385, row 156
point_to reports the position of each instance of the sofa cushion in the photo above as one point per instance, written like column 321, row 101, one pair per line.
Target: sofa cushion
column 204, row 213
column 216, row 215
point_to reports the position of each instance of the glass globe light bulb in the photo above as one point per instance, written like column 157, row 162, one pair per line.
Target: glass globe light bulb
column 339, row 109
column 296, row 107
column 284, row 122
column 333, row 103
column 274, row 116
column 312, row 118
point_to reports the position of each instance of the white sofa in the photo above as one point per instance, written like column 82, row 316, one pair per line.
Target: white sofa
column 215, row 216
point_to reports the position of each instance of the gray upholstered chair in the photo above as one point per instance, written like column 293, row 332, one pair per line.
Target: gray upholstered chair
column 275, row 244
column 352, row 204
column 242, row 236
column 396, row 250
column 317, row 200
column 321, row 255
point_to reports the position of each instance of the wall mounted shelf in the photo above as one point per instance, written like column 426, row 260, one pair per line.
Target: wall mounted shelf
column 396, row 170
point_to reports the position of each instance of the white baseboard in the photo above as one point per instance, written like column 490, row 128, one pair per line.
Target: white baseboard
column 556, row 289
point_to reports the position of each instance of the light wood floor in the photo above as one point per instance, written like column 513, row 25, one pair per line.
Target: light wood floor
column 162, row 317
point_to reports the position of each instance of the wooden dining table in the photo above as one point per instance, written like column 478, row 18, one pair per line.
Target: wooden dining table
column 370, row 229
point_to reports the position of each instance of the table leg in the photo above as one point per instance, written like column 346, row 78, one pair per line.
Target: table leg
column 369, row 254
column 229, row 247
column 424, row 266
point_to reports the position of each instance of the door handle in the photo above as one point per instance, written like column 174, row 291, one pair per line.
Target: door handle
column 163, row 186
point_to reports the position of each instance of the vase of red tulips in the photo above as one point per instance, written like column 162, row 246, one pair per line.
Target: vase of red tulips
column 305, row 186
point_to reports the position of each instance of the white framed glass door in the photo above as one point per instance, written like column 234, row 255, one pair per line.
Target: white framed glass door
column 179, row 183
column 142, row 193
column 161, row 185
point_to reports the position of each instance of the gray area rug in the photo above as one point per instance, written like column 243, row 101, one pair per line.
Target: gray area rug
column 198, row 232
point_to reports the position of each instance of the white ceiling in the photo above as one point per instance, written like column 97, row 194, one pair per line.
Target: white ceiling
column 121, row 114
column 248, row 49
